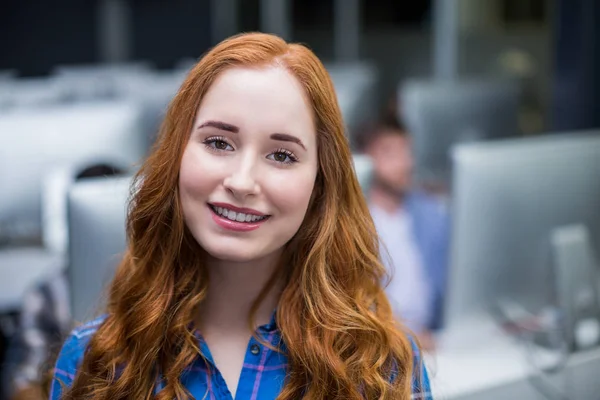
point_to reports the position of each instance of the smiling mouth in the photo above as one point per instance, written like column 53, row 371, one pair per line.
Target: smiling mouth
column 237, row 216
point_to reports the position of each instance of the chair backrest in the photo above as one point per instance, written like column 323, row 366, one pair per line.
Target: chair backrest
column 33, row 141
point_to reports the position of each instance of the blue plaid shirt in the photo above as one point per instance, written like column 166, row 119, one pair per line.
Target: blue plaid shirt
column 262, row 377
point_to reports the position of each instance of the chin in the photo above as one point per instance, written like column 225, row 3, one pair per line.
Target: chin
column 232, row 253
column 231, row 257
column 236, row 249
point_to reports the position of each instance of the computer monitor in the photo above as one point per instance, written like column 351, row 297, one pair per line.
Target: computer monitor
column 509, row 200
column 32, row 92
column 363, row 166
column 97, row 213
column 34, row 141
column 92, row 70
column 441, row 114
column 155, row 92
column 89, row 82
column 356, row 89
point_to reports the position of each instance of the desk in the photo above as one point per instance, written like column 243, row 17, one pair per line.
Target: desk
column 488, row 364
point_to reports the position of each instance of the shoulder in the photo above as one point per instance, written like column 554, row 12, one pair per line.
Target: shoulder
column 71, row 355
column 89, row 328
column 75, row 346
column 418, row 199
column 421, row 387
column 429, row 212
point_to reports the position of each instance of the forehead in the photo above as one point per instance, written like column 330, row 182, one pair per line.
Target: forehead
column 266, row 98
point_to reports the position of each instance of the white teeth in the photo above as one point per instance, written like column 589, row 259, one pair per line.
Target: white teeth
column 236, row 216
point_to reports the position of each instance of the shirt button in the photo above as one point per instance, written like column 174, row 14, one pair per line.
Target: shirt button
column 254, row 349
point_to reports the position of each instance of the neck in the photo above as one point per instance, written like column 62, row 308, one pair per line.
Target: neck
column 386, row 198
column 233, row 288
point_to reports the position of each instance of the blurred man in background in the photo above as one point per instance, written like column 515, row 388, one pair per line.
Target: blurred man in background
column 45, row 317
column 413, row 227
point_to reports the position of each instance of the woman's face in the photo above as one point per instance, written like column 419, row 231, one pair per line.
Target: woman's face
column 249, row 168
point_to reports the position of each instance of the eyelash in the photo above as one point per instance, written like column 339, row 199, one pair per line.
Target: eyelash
column 292, row 157
column 209, row 143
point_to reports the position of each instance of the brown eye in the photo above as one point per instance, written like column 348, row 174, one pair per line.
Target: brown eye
column 221, row 145
column 280, row 157
column 283, row 157
column 217, row 144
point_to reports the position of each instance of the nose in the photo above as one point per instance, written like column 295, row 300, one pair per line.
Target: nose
column 241, row 182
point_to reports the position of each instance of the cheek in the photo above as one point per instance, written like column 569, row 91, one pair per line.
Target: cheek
column 291, row 194
column 393, row 166
column 385, row 168
column 195, row 176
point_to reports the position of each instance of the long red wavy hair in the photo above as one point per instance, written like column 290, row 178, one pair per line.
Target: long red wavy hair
column 341, row 338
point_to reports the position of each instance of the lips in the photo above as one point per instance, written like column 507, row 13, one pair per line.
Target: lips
column 237, row 215
column 235, row 218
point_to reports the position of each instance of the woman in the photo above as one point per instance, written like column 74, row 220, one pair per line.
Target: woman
column 252, row 270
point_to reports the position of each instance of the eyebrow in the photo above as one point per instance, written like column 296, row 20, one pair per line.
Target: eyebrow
column 221, row 126
column 284, row 137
